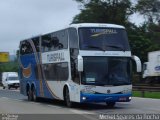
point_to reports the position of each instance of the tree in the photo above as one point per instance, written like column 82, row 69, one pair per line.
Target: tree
column 140, row 41
column 9, row 67
column 153, row 32
column 104, row 11
column 117, row 12
column 149, row 9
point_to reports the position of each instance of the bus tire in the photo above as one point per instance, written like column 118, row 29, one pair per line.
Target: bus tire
column 110, row 104
column 4, row 87
column 29, row 95
column 34, row 96
column 67, row 98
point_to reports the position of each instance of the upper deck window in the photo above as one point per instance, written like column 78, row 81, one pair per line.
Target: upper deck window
column 55, row 41
column 105, row 39
column 25, row 48
column 73, row 38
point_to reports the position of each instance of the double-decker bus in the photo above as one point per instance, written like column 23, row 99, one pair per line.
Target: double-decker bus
column 87, row 62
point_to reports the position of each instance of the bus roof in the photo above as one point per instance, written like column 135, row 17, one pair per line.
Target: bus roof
column 96, row 25
column 78, row 25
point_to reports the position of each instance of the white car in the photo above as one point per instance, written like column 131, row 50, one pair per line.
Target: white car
column 10, row 80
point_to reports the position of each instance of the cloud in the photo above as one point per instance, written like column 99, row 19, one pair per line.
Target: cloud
column 21, row 19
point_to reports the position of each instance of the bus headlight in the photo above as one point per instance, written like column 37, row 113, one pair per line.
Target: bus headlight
column 83, row 98
column 130, row 98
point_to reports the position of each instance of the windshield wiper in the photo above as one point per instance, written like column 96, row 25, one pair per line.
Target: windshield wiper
column 114, row 46
column 96, row 47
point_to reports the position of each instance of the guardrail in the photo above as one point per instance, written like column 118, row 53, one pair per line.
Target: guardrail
column 144, row 89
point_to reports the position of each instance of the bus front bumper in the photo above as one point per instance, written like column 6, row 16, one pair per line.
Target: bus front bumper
column 89, row 97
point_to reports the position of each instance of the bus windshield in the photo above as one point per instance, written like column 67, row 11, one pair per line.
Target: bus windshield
column 106, row 71
column 105, row 39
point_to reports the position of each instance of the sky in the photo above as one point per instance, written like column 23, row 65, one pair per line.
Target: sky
column 21, row 19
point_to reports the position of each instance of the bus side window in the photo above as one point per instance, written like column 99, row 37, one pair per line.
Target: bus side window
column 36, row 43
column 21, row 48
column 73, row 38
column 60, row 39
column 46, row 43
column 55, row 41
column 56, row 44
column 73, row 45
column 56, row 71
column 25, row 48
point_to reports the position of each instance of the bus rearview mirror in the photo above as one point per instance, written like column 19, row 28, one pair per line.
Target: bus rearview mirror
column 138, row 63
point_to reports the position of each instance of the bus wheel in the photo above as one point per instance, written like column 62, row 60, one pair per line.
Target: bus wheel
column 67, row 98
column 110, row 104
column 3, row 87
column 34, row 96
column 29, row 95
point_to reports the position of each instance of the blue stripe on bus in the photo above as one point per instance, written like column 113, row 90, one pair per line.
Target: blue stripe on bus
column 30, row 59
column 90, row 97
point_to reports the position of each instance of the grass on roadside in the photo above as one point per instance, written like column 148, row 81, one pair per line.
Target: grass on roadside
column 147, row 94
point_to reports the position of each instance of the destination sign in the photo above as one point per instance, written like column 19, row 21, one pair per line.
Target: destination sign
column 104, row 31
column 98, row 32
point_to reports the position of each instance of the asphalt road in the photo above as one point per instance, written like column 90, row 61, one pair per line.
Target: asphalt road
column 12, row 102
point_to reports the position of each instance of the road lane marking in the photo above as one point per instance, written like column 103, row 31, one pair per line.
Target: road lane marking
column 80, row 111
column 4, row 98
column 11, row 99
column 86, row 114
column 37, row 103
column 52, row 106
